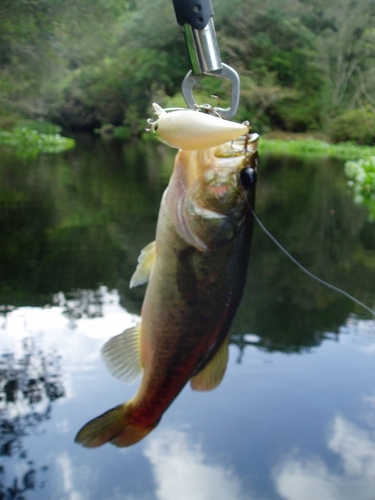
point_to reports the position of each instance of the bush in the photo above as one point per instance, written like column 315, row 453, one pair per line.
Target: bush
column 30, row 143
column 357, row 125
column 42, row 127
column 297, row 114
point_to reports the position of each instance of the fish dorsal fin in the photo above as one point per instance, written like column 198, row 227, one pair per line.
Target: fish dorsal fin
column 121, row 355
column 146, row 260
column 212, row 374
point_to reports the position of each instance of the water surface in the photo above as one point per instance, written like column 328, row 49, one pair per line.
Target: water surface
column 295, row 415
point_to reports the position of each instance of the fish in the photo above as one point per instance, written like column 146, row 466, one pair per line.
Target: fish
column 196, row 271
column 194, row 130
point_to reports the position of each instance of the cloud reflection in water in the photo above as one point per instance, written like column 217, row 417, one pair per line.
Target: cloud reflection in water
column 180, row 464
column 310, row 479
column 181, row 470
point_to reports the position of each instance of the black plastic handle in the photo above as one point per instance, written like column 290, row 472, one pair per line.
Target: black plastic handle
column 197, row 13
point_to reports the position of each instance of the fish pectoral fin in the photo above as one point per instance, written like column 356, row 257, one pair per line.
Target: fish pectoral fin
column 212, row 374
column 146, row 261
column 121, row 355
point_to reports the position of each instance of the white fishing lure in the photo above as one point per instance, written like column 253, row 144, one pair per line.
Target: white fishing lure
column 193, row 130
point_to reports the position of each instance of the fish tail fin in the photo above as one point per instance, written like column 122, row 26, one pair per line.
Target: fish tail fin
column 116, row 426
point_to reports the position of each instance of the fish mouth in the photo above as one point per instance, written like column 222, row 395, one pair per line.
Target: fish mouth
column 239, row 147
column 205, row 187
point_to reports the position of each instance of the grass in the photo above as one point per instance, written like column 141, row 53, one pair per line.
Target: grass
column 317, row 147
column 359, row 162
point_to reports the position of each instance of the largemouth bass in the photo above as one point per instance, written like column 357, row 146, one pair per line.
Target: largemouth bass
column 196, row 271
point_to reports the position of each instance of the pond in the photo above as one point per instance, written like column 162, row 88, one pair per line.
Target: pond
column 294, row 417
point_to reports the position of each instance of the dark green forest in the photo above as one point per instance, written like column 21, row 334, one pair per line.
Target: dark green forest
column 305, row 65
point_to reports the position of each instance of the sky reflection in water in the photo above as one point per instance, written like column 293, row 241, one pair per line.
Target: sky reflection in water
column 287, row 426
column 294, row 419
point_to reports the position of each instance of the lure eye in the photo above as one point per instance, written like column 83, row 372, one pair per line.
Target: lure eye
column 154, row 127
column 248, row 178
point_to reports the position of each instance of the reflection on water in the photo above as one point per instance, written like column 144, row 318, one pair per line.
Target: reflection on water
column 254, row 437
column 310, row 477
column 29, row 383
column 182, row 470
column 295, row 419
column 80, row 304
column 79, row 220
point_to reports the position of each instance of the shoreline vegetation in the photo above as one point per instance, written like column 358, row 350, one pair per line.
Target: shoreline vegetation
column 30, row 138
column 303, row 145
column 359, row 166
column 306, row 66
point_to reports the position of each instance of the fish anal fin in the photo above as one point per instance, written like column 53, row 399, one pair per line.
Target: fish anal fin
column 146, row 261
column 116, row 426
column 121, row 355
column 212, row 374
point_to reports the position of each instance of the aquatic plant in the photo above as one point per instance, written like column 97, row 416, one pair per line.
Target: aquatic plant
column 30, row 143
column 362, row 181
column 310, row 146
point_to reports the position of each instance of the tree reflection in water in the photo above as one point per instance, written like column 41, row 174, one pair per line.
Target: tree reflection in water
column 81, row 304
column 28, row 386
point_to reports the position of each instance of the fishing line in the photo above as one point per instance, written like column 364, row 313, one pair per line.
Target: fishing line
column 306, row 271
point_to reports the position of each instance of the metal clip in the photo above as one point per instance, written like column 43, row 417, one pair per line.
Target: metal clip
column 227, row 72
column 196, row 19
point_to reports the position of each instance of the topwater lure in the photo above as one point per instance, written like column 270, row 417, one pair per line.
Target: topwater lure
column 193, row 130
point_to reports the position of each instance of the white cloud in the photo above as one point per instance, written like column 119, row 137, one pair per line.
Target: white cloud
column 355, row 447
column 362, row 334
column 311, row 479
column 182, row 471
column 64, row 467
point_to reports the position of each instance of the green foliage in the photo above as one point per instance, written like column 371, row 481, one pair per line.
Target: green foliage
column 298, row 113
column 309, row 146
column 362, row 180
column 122, row 133
column 357, row 125
column 276, row 55
column 30, row 143
column 42, row 127
column 86, row 64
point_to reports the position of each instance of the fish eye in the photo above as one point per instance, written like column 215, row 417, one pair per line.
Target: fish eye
column 248, row 177
column 155, row 127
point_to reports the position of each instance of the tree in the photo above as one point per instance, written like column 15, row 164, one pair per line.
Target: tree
column 346, row 50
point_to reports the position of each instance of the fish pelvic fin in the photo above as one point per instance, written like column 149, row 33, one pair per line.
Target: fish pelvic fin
column 121, row 355
column 146, row 261
column 115, row 426
column 212, row 374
